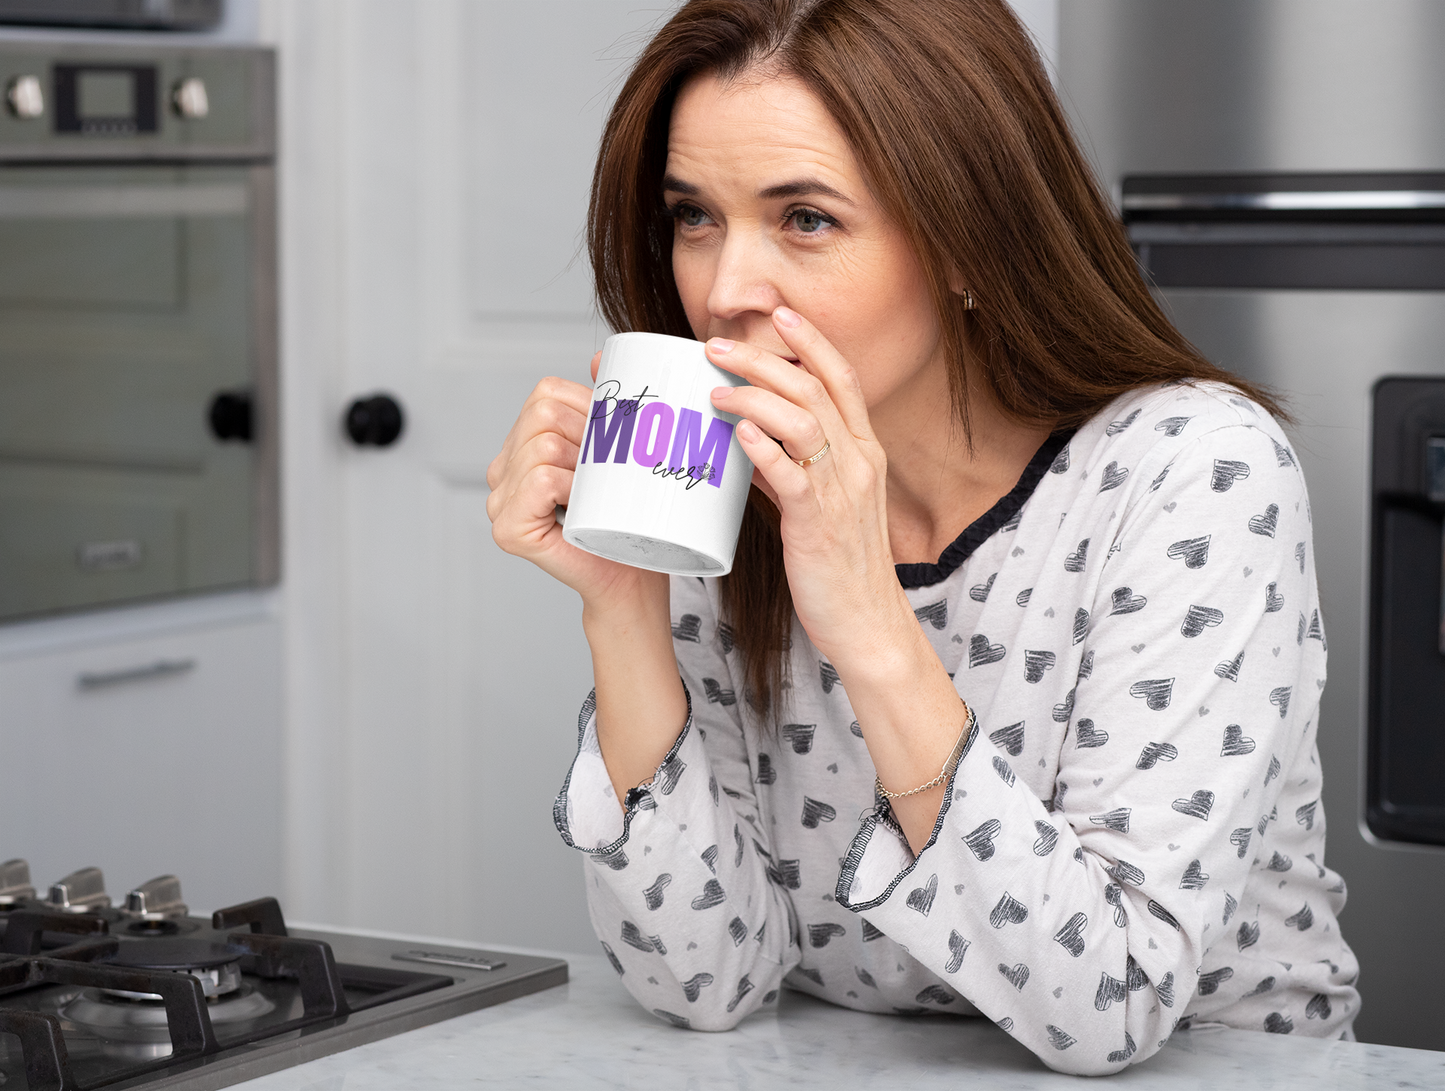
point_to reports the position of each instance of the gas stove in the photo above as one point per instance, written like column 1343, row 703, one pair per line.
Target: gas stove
column 146, row 995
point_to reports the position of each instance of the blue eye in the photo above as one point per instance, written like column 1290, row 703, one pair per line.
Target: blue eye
column 809, row 220
column 687, row 215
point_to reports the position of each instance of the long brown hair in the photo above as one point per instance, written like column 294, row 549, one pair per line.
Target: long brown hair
column 956, row 128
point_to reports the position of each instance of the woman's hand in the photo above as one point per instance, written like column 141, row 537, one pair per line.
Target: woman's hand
column 533, row 475
column 834, row 512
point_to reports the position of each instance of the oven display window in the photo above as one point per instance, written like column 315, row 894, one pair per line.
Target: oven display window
column 106, row 100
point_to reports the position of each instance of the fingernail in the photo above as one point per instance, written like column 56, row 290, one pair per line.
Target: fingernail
column 720, row 345
column 786, row 317
column 721, row 392
column 748, row 431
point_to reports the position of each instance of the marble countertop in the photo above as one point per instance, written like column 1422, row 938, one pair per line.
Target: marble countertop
column 590, row 1033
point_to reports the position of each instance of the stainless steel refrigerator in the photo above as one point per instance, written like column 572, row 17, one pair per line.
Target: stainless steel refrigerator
column 1280, row 167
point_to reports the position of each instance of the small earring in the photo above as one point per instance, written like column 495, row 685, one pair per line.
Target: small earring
column 968, row 303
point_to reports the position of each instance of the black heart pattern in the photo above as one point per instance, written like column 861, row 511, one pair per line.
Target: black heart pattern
column 1194, row 877
column 828, row 676
column 1087, row 736
column 1048, row 838
column 856, row 728
column 1236, row 743
column 1265, row 524
column 1282, row 455
column 1076, row 560
column 1086, row 666
column 1273, row 602
column 681, row 1022
column 865, row 977
column 815, row 811
column 1198, row 618
column 1009, row 910
column 1081, row 624
column 1155, row 692
column 920, row 898
column 1229, row 669
column 669, row 773
column 1301, row 920
column 1063, row 711
column 1071, row 935
column 979, row 592
column 1305, row 816
column 1118, row 426
column 800, row 736
column 1110, row 990
column 1022, row 598
column 1154, row 485
column 1279, row 862
column 653, row 894
column 1154, row 753
column 1059, row 1039
column 820, row 934
column 1119, row 1056
column 1116, row 820
column 1112, row 477
column 633, row 937
column 694, row 985
column 1226, row 473
column 980, row 841
column 1299, row 555
column 1265, row 985
column 687, row 628
column 1172, row 426
column 1009, row 739
column 957, row 947
column 1275, row 1023
column 1196, row 806
column 786, row 873
column 934, row 994
column 1209, row 983
column 766, row 773
column 1115, row 897
column 709, row 857
column 1248, row 934
column 870, row 932
column 1279, row 697
column 1035, row 663
column 935, row 613
column 1240, row 839
column 726, row 637
column 744, row 987
column 1157, row 910
column 1016, row 975
column 716, row 695
column 1230, row 905
column 1060, row 463
column 1316, row 631
column 1125, row 872
column 1194, row 551
column 612, row 958
column 1318, row 1007
column 1001, row 767
column 1126, row 602
column 981, row 652
column 712, row 894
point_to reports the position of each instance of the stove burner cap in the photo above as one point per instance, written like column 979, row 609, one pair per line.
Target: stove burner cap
column 173, row 953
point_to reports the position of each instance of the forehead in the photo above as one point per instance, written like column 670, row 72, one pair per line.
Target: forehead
column 758, row 125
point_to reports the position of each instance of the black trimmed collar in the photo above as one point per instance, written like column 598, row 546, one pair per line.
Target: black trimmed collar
column 987, row 524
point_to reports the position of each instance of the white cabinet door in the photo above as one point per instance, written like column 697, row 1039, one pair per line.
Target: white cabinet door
column 435, row 166
column 145, row 755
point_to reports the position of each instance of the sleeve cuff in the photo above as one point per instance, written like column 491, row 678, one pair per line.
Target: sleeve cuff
column 880, row 857
column 586, row 811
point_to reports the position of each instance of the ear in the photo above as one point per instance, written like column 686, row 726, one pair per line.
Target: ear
column 956, row 286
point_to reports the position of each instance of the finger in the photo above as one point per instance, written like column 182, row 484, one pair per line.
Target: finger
column 555, row 405
column 784, row 481
column 768, row 371
column 822, row 360
column 526, row 524
column 795, row 427
column 596, row 363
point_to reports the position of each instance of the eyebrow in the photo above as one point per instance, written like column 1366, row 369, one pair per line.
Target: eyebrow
column 801, row 187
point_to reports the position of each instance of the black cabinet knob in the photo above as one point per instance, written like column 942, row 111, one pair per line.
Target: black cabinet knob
column 375, row 421
column 230, row 416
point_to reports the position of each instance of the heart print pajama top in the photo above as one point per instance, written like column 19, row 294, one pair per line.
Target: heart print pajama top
column 1133, row 841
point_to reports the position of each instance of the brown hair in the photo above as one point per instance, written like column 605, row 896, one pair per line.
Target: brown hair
column 956, row 128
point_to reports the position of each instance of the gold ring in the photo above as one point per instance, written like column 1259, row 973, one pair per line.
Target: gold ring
column 805, row 462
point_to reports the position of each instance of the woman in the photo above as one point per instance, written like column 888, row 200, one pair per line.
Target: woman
column 1008, row 706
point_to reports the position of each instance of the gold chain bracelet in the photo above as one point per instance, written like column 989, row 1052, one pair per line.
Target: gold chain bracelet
column 949, row 766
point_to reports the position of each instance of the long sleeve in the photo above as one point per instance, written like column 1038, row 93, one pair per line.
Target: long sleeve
column 1080, row 923
column 677, row 883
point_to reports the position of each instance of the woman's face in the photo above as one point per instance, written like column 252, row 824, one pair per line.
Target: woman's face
column 771, row 209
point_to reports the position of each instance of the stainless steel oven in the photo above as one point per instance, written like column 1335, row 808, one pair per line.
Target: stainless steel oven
column 138, row 446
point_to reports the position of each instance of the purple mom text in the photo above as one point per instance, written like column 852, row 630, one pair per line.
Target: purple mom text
column 654, row 434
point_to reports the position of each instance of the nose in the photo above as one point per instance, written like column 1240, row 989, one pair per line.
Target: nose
column 744, row 282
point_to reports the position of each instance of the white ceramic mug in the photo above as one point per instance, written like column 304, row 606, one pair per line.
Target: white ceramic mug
column 661, row 479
